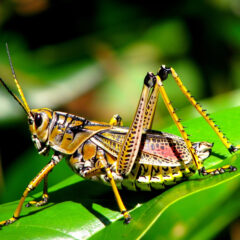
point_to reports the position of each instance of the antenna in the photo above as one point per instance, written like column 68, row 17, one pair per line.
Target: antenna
column 24, row 103
column 14, row 96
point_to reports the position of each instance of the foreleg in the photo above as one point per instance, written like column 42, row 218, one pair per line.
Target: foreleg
column 101, row 167
column 45, row 196
column 32, row 185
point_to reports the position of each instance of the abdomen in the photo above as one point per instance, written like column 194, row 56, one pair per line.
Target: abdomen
column 163, row 160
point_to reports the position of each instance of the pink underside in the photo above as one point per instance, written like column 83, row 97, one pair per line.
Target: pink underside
column 163, row 150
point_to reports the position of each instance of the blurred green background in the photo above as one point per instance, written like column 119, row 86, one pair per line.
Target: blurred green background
column 90, row 59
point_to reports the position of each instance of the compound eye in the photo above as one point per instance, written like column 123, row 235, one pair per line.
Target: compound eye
column 38, row 120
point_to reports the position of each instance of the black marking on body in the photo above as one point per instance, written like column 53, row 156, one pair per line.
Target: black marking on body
column 65, row 119
column 76, row 129
column 165, row 169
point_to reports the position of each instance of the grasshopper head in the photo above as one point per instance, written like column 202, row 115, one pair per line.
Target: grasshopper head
column 39, row 120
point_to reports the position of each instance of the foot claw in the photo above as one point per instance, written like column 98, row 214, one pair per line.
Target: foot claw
column 38, row 203
column 232, row 168
column 127, row 220
column 127, row 217
column 233, row 149
column 7, row 222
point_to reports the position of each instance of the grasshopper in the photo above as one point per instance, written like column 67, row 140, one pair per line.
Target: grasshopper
column 134, row 158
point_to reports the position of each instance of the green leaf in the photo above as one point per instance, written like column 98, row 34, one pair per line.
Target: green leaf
column 80, row 209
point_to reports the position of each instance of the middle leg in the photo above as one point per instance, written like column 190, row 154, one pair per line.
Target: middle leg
column 102, row 167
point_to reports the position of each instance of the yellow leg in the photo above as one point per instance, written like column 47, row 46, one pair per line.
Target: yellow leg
column 205, row 115
column 45, row 196
column 216, row 171
column 161, row 76
column 101, row 168
column 120, row 203
column 178, row 123
column 33, row 184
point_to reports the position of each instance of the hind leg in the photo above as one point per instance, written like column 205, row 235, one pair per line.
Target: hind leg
column 161, row 76
column 32, row 185
column 231, row 148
